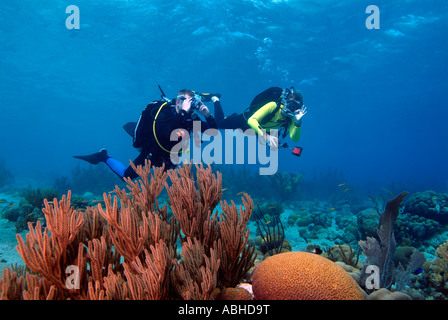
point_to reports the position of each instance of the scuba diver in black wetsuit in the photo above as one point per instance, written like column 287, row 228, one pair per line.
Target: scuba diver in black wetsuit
column 151, row 134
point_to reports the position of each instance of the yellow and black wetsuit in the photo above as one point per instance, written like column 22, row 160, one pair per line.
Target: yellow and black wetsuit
column 276, row 121
column 263, row 118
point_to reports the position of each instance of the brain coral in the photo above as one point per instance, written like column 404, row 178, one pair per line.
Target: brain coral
column 303, row 276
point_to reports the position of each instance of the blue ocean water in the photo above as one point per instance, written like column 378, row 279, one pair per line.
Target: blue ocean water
column 376, row 98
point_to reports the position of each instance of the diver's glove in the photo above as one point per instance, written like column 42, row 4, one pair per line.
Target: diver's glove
column 214, row 99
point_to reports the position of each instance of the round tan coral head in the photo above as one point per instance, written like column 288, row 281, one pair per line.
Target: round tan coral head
column 303, row 276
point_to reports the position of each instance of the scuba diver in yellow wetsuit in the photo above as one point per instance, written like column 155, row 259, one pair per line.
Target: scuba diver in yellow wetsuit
column 274, row 108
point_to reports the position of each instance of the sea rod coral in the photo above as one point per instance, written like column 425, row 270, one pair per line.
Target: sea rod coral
column 128, row 248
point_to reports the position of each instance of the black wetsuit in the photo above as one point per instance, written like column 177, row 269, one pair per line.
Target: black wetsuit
column 234, row 121
column 166, row 121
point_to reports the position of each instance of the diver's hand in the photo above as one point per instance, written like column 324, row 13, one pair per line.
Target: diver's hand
column 300, row 113
column 204, row 110
column 215, row 98
column 186, row 105
column 271, row 141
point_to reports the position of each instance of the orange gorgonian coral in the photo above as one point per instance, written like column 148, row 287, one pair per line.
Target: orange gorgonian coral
column 128, row 248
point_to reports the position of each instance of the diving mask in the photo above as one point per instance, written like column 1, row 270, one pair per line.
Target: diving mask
column 290, row 107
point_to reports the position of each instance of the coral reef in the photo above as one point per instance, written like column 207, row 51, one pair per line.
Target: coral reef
column 271, row 230
column 380, row 253
column 416, row 231
column 171, row 235
column 367, row 220
column 429, row 204
column 343, row 253
column 29, row 209
column 303, row 276
column 406, row 270
column 311, row 219
column 35, row 197
column 435, row 280
column 402, row 255
column 396, row 267
column 128, row 248
column 384, row 294
column 323, row 221
column 233, row 294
